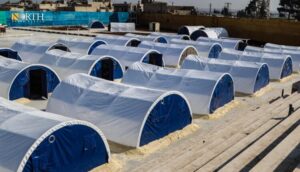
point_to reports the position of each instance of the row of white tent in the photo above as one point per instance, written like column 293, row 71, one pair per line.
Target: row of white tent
column 133, row 113
column 32, row 140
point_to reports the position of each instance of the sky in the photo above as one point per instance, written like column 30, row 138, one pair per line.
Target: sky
column 203, row 4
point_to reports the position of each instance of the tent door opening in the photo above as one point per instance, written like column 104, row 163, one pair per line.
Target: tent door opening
column 37, row 85
column 155, row 59
column 107, row 70
column 134, row 43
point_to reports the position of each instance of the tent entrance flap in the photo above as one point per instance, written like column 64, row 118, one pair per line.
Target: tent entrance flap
column 133, row 43
column 85, row 151
column 107, row 70
column 9, row 54
column 154, row 59
column 37, row 84
column 170, row 114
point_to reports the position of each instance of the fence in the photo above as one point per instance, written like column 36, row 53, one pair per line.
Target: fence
column 38, row 18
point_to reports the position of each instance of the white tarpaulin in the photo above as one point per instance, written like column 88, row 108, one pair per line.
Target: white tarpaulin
column 118, row 40
column 128, row 115
column 282, row 52
column 248, row 77
column 32, row 51
column 173, row 54
column 279, row 66
column 205, row 49
column 128, row 55
column 204, row 33
column 220, row 31
column 122, row 27
column 206, row 91
column 154, row 38
column 226, row 43
column 79, row 45
column 66, row 64
column 32, row 140
column 16, row 77
column 282, row 47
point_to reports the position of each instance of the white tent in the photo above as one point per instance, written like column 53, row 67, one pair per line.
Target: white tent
column 279, row 66
column 79, row 45
column 204, row 33
column 170, row 36
column 122, row 27
column 32, row 140
column 226, row 43
column 19, row 79
column 188, row 30
column 205, row 49
column 173, row 54
column 281, row 52
column 128, row 55
column 248, row 77
column 127, row 115
column 282, row 47
column 31, row 51
column 66, row 64
column 206, row 91
column 220, row 31
column 118, row 40
column 154, row 38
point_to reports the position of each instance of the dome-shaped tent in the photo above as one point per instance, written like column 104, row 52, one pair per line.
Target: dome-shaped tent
column 127, row 115
column 248, row 77
column 82, row 46
column 128, row 55
column 188, row 30
column 173, row 54
column 295, row 55
column 220, row 31
column 154, row 38
column 118, row 40
column 282, row 47
column 206, row 91
column 205, row 49
column 96, row 24
column 279, row 66
column 9, row 53
column 226, row 43
column 32, row 140
column 19, row 79
column 32, row 51
column 170, row 36
column 66, row 64
column 204, row 33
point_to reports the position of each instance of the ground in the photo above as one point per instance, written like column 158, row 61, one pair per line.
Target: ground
column 236, row 140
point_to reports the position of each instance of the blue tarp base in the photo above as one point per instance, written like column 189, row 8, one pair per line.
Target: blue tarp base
column 9, row 53
column 223, row 93
column 73, row 148
column 287, row 68
column 262, row 78
column 95, row 45
column 169, row 115
column 19, row 87
column 96, row 25
column 215, row 51
column 117, row 70
column 155, row 59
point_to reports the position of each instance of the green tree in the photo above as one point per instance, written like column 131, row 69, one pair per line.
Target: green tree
column 251, row 8
column 291, row 7
column 263, row 9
